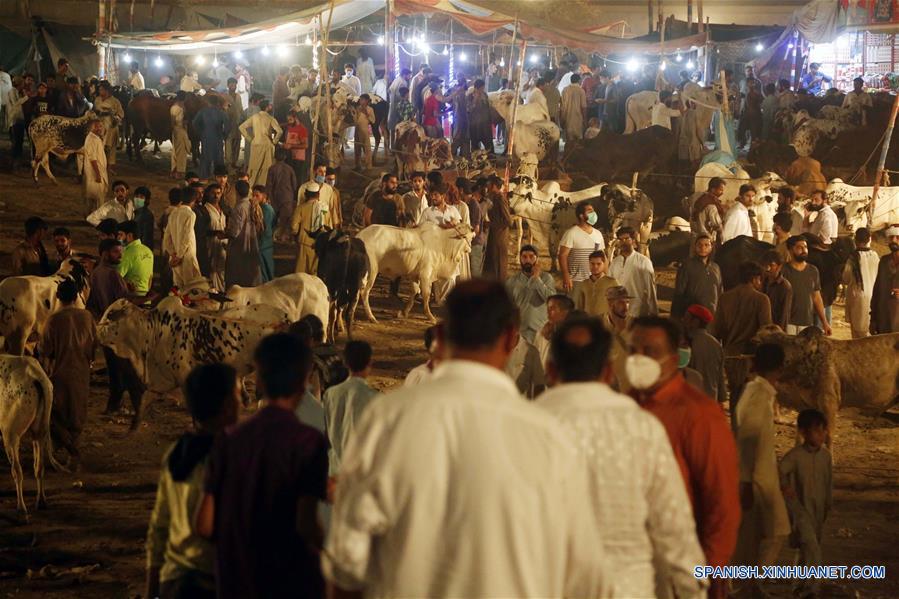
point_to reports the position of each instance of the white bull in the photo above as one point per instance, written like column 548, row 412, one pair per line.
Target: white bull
column 425, row 254
column 26, row 400
column 27, row 301
column 856, row 200
column 538, row 137
column 164, row 344
column 639, row 110
column 297, row 294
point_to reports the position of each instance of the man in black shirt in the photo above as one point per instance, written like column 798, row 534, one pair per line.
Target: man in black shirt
column 383, row 208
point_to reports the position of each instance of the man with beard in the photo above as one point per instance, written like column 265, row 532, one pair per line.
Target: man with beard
column 824, row 225
column 885, row 298
column 806, row 283
column 529, row 289
column 383, row 207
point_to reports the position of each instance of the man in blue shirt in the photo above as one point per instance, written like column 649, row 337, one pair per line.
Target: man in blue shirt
column 812, row 80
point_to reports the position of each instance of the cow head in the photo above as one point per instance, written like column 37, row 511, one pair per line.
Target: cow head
column 806, row 354
column 125, row 329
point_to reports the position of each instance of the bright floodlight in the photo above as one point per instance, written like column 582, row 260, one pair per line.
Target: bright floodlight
column 633, row 65
column 759, row 47
column 282, row 50
column 425, row 47
column 126, row 57
column 158, row 62
column 265, row 50
column 678, row 58
column 238, row 54
column 534, row 59
column 199, row 60
column 690, row 65
column 463, row 57
column 380, row 40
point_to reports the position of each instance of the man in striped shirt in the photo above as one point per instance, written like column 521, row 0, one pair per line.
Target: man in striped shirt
column 577, row 244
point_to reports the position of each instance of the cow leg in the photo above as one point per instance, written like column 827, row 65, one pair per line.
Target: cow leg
column 372, row 277
column 37, row 447
column 11, row 440
column 45, row 162
column 425, row 283
column 349, row 315
column 35, row 167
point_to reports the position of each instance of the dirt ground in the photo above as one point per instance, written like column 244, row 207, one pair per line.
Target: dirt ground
column 90, row 540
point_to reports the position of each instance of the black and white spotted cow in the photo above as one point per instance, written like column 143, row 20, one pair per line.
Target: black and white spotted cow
column 58, row 135
column 808, row 131
column 26, row 399
column 165, row 343
column 27, row 301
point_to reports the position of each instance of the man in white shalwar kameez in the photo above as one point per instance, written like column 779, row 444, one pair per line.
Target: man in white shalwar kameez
column 636, row 487
column 859, row 276
column 263, row 125
column 180, row 243
column 635, row 272
column 517, row 507
column 95, row 175
column 180, row 139
column 536, row 97
column 765, row 523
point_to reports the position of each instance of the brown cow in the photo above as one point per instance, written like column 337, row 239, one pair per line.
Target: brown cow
column 148, row 116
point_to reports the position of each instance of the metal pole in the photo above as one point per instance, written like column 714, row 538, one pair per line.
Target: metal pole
column 881, row 164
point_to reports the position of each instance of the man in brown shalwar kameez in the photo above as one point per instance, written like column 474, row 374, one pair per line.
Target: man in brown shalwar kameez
column 68, row 346
column 496, row 256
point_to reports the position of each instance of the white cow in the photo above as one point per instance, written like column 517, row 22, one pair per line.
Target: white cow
column 164, row 344
column 425, row 254
column 27, row 301
column 536, row 204
column 855, row 201
column 297, row 294
column 26, row 400
column 639, row 110
column 537, row 137
column 705, row 100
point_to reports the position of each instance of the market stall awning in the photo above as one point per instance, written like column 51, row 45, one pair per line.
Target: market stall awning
column 287, row 29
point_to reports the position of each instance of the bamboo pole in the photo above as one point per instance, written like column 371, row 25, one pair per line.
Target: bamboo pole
column 881, row 164
column 511, row 127
column 324, row 85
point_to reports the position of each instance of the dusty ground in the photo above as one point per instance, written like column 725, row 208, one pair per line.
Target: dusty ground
column 89, row 542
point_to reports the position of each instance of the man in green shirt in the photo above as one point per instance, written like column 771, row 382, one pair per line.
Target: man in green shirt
column 136, row 266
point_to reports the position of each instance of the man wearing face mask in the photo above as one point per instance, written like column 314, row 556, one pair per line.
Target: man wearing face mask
column 143, row 216
column 530, row 288
column 328, row 200
column 577, row 244
column 700, row 437
column 825, row 225
column 885, row 297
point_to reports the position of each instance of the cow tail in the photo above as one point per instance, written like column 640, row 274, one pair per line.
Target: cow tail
column 44, row 389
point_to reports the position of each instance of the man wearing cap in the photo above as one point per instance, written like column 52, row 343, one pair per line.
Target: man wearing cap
column 698, row 279
column 885, row 297
column 529, row 289
column 618, row 321
column 706, row 354
column 30, row 256
column 307, row 218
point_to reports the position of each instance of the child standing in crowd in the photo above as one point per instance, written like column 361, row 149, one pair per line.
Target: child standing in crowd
column 806, row 476
column 179, row 562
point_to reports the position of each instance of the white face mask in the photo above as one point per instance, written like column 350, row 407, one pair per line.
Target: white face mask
column 642, row 371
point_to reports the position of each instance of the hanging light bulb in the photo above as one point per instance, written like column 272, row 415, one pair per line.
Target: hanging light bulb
column 308, row 40
column 463, row 57
column 633, row 64
column 158, row 62
column 502, row 62
column 425, row 47
column 690, row 64
column 759, row 47
column 380, row 40
column 199, row 60
column 215, row 62
column 282, row 50
column 534, row 59
column 265, row 50
column 678, row 58
column 663, row 65
column 445, row 51
column 126, row 57
column 238, row 54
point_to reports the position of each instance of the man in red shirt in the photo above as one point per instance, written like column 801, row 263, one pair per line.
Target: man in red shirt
column 431, row 113
column 699, row 434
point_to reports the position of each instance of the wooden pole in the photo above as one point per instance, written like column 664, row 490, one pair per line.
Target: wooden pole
column 690, row 16
column 699, row 15
column 725, row 109
column 510, row 127
column 881, row 164
column 387, row 66
column 324, row 85
column 649, row 14
column 101, row 29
